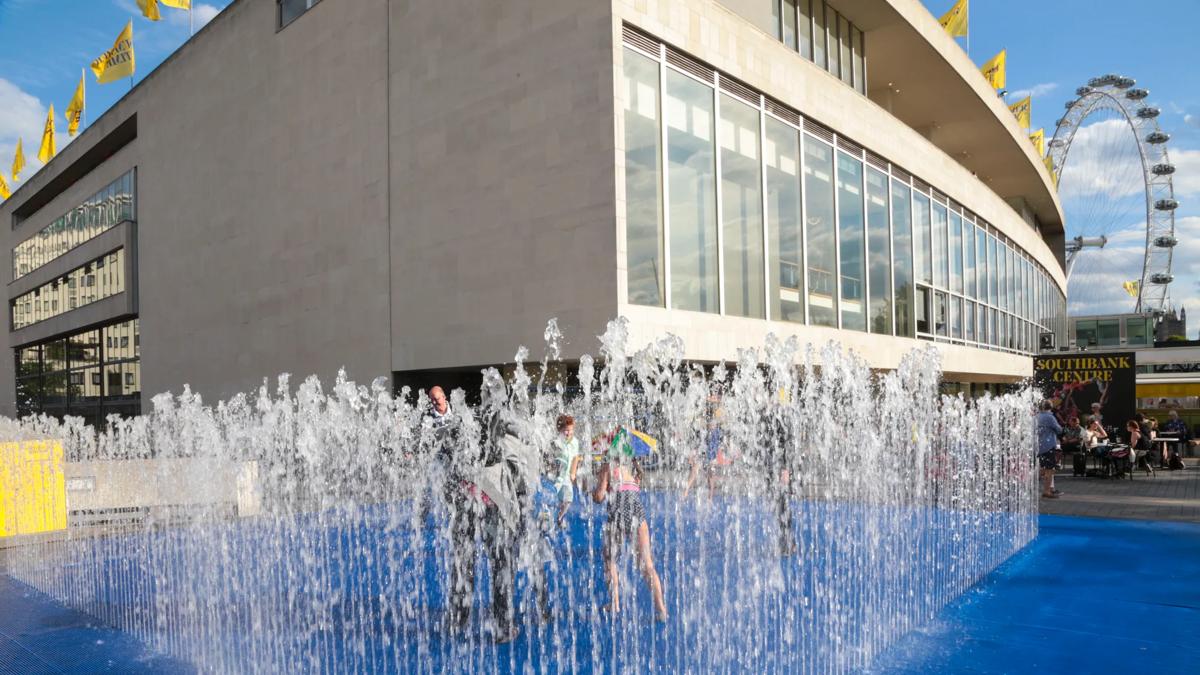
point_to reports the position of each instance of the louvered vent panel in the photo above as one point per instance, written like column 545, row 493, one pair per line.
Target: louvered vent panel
column 920, row 184
column 732, row 86
column 877, row 161
column 818, row 130
column 689, row 65
column 783, row 112
column 939, row 196
column 850, row 146
column 635, row 38
column 901, row 174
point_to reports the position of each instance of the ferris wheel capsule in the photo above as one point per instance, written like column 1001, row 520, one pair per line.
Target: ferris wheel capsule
column 1162, row 169
column 1161, row 278
column 1157, row 137
column 1125, row 82
column 1166, row 204
column 1057, row 142
column 1083, row 91
column 1137, row 94
column 1166, row 241
column 1149, row 112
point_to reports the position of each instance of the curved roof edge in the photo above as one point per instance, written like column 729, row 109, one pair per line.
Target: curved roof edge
column 921, row 76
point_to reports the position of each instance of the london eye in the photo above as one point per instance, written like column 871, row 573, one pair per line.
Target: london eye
column 1115, row 182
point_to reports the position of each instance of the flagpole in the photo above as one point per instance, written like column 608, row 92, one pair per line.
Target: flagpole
column 191, row 23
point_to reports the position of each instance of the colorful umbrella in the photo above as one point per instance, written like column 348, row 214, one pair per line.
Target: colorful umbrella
column 632, row 443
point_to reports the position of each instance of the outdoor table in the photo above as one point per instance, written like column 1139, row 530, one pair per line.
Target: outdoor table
column 1161, row 449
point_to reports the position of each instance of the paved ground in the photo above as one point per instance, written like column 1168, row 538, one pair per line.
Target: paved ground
column 1166, row 496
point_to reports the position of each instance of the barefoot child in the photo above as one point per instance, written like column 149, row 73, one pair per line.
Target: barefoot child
column 566, row 452
column 618, row 481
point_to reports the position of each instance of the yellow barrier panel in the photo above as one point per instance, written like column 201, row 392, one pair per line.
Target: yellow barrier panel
column 33, row 494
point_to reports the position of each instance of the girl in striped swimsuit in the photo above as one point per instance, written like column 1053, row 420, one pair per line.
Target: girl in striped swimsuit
column 620, row 485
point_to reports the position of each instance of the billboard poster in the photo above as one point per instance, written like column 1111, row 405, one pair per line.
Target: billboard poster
column 1073, row 382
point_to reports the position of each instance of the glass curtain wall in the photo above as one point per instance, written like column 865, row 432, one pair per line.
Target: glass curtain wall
column 643, row 189
column 851, row 253
column 788, row 222
column 98, row 214
column 879, row 253
column 786, row 238
column 91, row 374
column 741, row 209
column 902, row 245
column 692, row 193
column 822, row 252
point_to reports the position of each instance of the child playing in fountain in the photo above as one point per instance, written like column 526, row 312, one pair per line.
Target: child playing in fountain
column 618, row 481
column 567, row 458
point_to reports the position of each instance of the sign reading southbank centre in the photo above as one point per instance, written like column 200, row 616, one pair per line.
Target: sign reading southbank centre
column 1073, row 382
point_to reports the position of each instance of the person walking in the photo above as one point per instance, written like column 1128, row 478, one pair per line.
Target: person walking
column 618, row 482
column 1048, row 430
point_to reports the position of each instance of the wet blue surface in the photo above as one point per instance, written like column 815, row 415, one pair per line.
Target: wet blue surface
column 1088, row 596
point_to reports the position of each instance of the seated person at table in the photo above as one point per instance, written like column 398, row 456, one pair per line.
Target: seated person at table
column 1096, row 434
column 1176, row 428
column 1074, row 436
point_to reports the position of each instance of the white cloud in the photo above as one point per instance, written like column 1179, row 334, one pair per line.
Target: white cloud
column 1034, row 91
column 204, row 14
column 21, row 116
column 1095, row 284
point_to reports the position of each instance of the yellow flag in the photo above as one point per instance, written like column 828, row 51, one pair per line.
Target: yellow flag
column 1039, row 141
column 993, row 70
column 75, row 108
column 1021, row 110
column 117, row 62
column 18, row 161
column 1049, row 162
column 177, row 4
column 149, row 9
column 955, row 21
column 1131, row 287
column 48, row 149
column 4, row 193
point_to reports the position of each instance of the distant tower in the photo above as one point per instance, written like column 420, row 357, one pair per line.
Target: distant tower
column 1171, row 325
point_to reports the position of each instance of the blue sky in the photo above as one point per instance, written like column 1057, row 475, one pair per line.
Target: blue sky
column 1053, row 47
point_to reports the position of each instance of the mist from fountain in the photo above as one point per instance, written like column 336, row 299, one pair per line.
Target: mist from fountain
column 898, row 500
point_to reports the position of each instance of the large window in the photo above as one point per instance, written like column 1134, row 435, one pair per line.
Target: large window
column 879, row 253
column 643, row 181
column 956, row 253
column 786, row 238
column 95, row 216
column 921, row 238
column 289, row 10
column 969, row 259
column 92, row 374
column 903, row 250
column 741, row 209
column 851, row 252
column 822, row 253
column 736, row 204
column 823, row 36
column 692, row 191
column 941, row 267
column 99, row 279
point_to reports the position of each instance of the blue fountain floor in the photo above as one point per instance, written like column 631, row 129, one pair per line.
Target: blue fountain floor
column 1089, row 596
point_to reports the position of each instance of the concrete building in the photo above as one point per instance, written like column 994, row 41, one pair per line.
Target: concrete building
column 403, row 187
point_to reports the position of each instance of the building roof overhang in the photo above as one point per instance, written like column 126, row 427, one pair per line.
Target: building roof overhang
column 917, row 72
